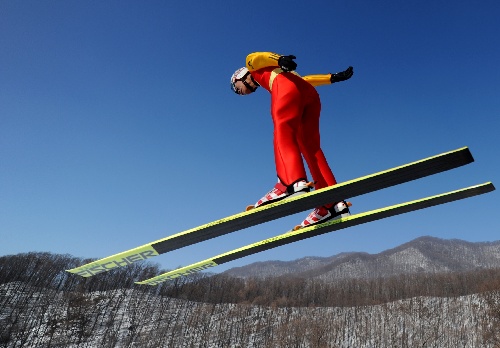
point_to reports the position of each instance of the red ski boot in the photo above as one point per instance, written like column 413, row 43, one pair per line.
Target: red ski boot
column 281, row 191
column 323, row 214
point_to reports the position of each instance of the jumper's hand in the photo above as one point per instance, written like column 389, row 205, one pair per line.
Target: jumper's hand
column 342, row 76
column 286, row 63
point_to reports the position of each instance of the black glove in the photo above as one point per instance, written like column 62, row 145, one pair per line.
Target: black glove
column 342, row 76
column 286, row 63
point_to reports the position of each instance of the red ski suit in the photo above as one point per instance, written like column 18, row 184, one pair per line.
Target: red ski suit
column 295, row 109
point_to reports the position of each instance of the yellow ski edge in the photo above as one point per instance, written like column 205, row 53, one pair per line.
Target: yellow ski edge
column 147, row 251
column 118, row 260
column 183, row 271
column 313, row 193
column 208, row 263
column 361, row 178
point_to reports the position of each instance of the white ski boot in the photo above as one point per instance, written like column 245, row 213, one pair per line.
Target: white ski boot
column 323, row 214
column 281, row 191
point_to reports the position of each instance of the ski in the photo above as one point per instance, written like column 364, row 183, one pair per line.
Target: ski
column 315, row 230
column 349, row 189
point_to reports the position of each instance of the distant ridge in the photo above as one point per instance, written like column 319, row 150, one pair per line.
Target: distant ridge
column 422, row 255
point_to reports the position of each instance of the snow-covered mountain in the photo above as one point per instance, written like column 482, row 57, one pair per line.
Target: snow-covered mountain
column 41, row 305
column 422, row 255
column 32, row 317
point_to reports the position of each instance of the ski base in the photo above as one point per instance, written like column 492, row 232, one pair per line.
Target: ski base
column 315, row 230
column 349, row 189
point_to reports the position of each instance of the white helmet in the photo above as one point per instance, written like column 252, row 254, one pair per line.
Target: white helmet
column 241, row 75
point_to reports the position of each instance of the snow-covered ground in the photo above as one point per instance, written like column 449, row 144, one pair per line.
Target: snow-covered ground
column 31, row 317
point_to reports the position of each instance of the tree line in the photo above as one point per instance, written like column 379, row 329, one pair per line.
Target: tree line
column 42, row 305
column 46, row 270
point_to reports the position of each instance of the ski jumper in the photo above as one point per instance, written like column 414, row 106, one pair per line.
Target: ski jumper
column 295, row 110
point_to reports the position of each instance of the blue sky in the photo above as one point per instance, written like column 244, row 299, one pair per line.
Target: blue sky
column 118, row 127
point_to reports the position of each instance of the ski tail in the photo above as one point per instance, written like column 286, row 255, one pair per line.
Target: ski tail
column 315, row 230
